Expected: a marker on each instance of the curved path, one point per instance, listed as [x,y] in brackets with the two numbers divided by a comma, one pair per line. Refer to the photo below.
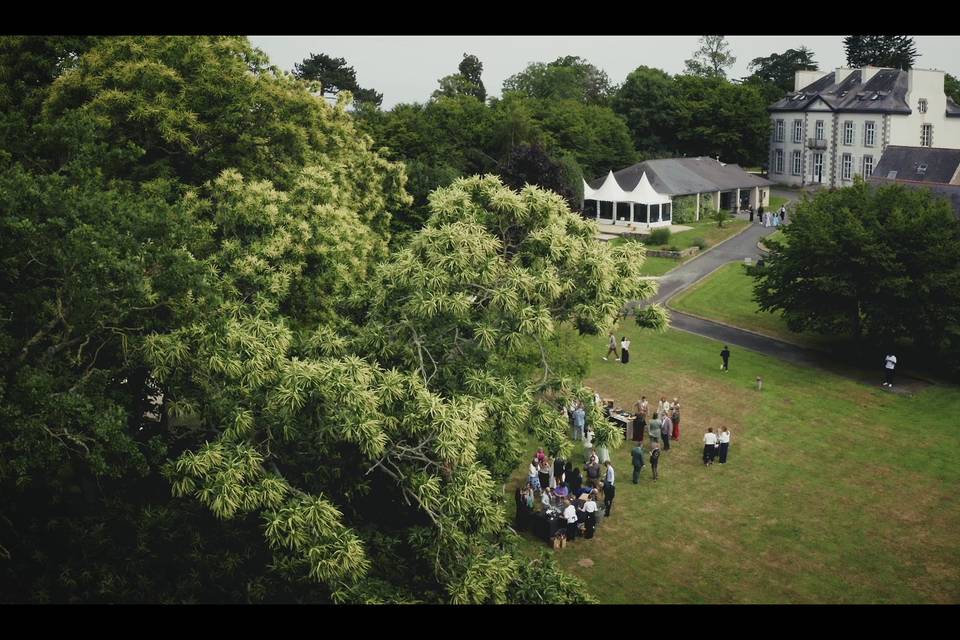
[744,245]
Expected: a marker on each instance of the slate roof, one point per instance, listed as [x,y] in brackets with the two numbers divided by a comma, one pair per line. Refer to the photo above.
[682,176]
[941,164]
[885,92]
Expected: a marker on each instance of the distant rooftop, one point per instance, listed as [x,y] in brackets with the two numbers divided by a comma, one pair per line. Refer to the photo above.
[683,176]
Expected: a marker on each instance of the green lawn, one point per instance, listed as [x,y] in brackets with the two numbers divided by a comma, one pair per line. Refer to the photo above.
[708,230]
[834,492]
[726,295]
[776,202]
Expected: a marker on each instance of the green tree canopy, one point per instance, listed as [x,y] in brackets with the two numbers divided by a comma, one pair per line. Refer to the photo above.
[211,364]
[566,78]
[648,101]
[467,82]
[779,69]
[876,263]
[898,52]
[335,76]
[718,118]
[711,58]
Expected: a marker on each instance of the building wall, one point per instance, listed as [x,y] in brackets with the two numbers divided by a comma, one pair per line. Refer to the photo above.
[906,129]
[896,129]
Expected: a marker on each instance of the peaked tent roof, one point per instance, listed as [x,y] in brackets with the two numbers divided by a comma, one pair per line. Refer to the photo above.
[681,176]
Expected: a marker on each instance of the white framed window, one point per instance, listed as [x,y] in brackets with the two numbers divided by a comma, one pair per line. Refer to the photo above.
[926,135]
[778,131]
[922,105]
[869,133]
[798,130]
[778,161]
[819,129]
[848,133]
[847,166]
[797,163]
[867,166]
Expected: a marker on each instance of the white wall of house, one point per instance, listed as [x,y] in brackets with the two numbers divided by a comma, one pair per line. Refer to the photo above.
[906,129]
[859,149]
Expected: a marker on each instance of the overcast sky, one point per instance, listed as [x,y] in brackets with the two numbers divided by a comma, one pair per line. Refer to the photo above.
[406,68]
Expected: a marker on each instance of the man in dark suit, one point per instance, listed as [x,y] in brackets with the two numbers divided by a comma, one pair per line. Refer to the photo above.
[637,454]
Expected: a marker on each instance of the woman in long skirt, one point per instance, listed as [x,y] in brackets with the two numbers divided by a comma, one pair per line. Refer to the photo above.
[624,350]
[676,419]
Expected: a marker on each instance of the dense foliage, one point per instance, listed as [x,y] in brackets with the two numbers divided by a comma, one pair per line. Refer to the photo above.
[877,264]
[779,69]
[898,52]
[711,58]
[335,76]
[218,383]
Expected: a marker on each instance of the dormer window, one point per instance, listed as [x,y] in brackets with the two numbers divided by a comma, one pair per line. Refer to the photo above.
[843,93]
[922,105]
[921,169]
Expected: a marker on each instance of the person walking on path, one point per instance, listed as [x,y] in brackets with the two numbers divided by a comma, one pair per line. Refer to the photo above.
[709,446]
[624,350]
[675,418]
[637,455]
[724,444]
[609,490]
[760,214]
[655,459]
[783,213]
[890,363]
[654,429]
[643,408]
[725,354]
[666,430]
[751,214]
[612,346]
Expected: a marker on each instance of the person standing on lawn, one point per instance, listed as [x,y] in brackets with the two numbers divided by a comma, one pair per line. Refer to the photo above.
[579,420]
[643,409]
[654,429]
[783,213]
[637,454]
[725,355]
[612,346]
[570,515]
[609,490]
[675,418]
[655,459]
[666,429]
[890,363]
[543,473]
[624,350]
[590,509]
[724,444]
[709,446]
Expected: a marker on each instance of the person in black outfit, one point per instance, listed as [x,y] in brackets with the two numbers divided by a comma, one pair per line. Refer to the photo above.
[751,214]
[655,460]
[558,466]
[574,480]
[609,490]
[725,354]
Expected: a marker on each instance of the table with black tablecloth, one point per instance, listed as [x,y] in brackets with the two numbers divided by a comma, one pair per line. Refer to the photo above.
[545,527]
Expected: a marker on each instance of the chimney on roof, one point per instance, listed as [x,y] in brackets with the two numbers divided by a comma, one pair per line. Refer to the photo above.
[841,74]
[868,72]
[803,79]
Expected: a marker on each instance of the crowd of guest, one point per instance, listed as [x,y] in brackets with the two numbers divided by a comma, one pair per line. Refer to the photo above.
[558,488]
